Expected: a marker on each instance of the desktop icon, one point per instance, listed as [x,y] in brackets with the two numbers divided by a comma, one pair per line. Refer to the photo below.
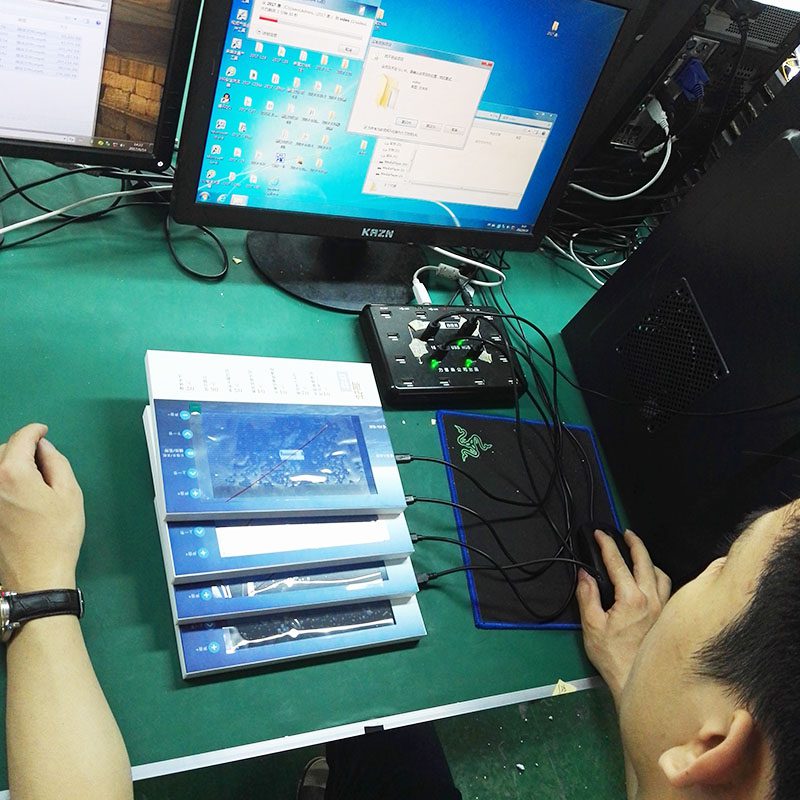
[285,135]
[270,105]
[241,15]
[345,63]
[225,100]
[281,52]
[204,196]
[338,90]
[216,150]
[259,155]
[221,124]
[253,75]
[317,86]
[236,44]
[323,59]
[276,79]
[259,47]
[303,55]
[290,108]
[304,136]
[362,10]
[319,163]
[211,174]
[248,102]
[299,161]
[232,176]
[223,198]
[380,13]
[237,152]
[230,72]
[280,158]
[326,139]
[253,178]
[364,145]
[331,116]
[242,127]
[312,112]
[296,83]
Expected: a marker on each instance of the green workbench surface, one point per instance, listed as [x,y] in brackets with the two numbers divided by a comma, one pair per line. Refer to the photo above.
[78,309]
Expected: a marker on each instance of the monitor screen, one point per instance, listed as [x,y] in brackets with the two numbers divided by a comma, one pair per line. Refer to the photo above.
[97,81]
[455,115]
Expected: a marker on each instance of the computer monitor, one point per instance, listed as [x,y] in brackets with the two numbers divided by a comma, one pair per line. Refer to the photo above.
[403,121]
[97,82]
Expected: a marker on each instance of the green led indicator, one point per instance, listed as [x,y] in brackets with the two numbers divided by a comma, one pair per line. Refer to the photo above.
[468,363]
[435,363]
[459,343]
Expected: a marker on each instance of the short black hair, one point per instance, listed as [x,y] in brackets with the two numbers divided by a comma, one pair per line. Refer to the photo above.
[757,657]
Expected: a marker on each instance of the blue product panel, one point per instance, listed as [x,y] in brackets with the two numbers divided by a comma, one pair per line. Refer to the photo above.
[252,641]
[196,553]
[226,460]
[294,589]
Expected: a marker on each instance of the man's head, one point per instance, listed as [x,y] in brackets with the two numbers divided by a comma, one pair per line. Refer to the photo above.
[711,707]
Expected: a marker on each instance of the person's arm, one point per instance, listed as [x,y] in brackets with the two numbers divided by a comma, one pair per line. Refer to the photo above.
[63,741]
[612,638]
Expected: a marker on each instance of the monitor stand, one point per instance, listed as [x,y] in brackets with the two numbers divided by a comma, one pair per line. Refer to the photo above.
[338,274]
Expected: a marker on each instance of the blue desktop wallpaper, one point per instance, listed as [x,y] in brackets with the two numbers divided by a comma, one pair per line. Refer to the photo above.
[285,147]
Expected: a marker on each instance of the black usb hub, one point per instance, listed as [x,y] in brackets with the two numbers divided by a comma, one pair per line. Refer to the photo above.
[441,356]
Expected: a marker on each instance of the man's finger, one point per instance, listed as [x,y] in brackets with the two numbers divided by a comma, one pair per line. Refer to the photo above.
[618,572]
[54,466]
[589,605]
[20,450]
[664,586]
[643,569]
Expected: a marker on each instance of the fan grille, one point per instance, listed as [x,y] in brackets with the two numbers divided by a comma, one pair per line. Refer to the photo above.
[670,357]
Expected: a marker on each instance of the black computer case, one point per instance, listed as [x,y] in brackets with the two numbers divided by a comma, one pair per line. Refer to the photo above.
[703,320]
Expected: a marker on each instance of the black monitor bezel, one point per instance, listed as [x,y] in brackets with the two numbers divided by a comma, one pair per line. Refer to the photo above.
[199,108]
[160,159]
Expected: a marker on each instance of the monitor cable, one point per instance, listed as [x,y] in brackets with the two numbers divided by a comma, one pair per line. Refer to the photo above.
[659,116]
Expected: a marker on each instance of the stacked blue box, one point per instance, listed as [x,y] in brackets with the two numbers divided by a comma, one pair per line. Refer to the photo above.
[293,590]
[255,641]
[280,522]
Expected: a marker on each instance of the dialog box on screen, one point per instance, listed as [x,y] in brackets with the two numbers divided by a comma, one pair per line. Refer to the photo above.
[340,27]
[420,95]
[494,169]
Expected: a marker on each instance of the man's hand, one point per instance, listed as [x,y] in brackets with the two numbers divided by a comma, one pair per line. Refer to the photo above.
[612,638]
[41,514]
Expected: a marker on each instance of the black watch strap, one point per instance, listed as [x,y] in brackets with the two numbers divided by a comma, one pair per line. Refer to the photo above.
[50,603]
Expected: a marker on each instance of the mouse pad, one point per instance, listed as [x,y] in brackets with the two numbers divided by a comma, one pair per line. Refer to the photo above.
[487,448]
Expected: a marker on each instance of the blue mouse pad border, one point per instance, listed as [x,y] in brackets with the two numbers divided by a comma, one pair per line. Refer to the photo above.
[486,447]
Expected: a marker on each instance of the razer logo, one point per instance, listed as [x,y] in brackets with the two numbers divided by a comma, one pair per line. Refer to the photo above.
[471,446]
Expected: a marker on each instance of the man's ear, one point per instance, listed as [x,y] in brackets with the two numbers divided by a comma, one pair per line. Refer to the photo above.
[713,756]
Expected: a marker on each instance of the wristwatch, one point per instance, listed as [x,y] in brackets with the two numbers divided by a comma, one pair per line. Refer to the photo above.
[17,609]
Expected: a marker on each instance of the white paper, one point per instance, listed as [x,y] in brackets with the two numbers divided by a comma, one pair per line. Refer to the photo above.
[237,541]
[204,377]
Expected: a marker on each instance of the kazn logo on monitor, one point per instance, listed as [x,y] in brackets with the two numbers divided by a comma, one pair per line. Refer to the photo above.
[377,233]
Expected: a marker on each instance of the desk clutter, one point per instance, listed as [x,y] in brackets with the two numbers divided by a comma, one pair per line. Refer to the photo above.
[279,508]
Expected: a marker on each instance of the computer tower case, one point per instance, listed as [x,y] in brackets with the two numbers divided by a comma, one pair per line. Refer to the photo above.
[697,335]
